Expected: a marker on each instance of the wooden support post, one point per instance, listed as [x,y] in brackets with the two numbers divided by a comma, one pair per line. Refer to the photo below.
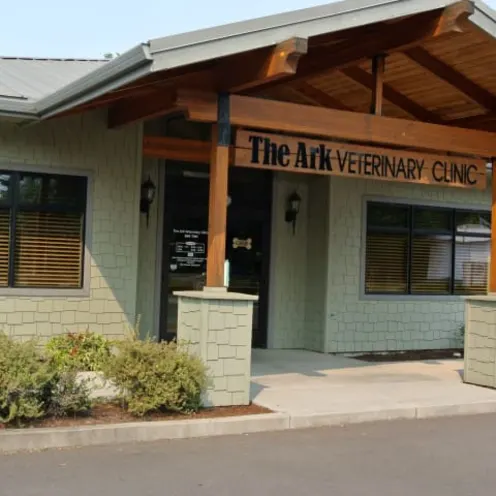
[378,67]
[492,265]
[217,205]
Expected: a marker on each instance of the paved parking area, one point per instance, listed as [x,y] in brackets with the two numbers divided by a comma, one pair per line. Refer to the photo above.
[437,457]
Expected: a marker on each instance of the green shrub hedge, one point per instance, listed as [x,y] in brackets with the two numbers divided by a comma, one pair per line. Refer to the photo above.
[150,376]
[32,387]
[25,381]
[85,351]
[156,377]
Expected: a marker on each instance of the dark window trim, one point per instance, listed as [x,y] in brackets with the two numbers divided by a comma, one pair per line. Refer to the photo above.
[14,206]
[412,232]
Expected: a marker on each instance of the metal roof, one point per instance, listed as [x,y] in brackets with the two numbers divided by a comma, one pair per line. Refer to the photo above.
[33,79]
[208,44]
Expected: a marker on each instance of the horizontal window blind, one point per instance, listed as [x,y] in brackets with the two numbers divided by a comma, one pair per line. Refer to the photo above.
[431,264]
[471,265]
[49,249]
[422,250]
[42,226]
[4,247]
[386,269]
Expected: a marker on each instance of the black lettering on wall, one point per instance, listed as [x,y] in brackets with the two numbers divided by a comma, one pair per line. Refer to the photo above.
[283,155]
[313,156]
[255,148]
[389,168]
[400,168]
[301,156]
[325,158]
[435,174]
[351,162]
[420,167]
[411,167]
[458,173]
[342,160]
[376,163]
[367,164]
[471,169]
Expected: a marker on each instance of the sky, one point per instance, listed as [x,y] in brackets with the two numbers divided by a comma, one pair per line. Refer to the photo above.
[91,28]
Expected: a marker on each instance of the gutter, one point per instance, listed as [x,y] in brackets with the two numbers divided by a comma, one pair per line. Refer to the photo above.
[125,69]
[208,44]
[484,17]
[18,110]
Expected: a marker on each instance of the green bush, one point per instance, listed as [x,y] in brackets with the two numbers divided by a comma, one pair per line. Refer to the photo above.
[68,396]
[85,351]
[25,381]
[32,387]
[156,377]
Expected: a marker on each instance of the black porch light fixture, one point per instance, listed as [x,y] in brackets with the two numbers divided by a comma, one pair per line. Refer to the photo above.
[148,190]
[293,208]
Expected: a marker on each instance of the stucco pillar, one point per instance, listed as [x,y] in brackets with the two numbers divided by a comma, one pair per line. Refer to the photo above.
[480,340]
[218,327]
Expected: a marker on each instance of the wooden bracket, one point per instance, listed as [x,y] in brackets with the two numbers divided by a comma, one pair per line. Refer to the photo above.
[455,18]
[267,65]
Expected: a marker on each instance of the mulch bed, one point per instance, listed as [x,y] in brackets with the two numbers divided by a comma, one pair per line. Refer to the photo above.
[113,413]
[406,356]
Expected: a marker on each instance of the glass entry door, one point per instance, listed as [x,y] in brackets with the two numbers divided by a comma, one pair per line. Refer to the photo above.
[186,239]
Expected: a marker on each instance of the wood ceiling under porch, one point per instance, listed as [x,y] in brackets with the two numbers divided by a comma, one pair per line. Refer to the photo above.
[438,68]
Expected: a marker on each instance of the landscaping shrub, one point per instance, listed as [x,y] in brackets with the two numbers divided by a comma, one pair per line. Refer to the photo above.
[68,396]
[32,387]
[25,381]
[156,377]
[85,351]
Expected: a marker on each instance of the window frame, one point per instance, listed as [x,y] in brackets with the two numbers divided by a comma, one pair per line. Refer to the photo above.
[431,204]
[83,291]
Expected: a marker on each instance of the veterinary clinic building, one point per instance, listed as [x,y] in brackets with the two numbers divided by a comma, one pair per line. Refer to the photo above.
[335,162]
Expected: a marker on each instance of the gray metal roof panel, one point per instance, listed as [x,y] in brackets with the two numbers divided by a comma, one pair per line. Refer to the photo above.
[33,79]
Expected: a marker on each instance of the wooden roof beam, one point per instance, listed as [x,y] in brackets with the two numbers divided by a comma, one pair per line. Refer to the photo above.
[319,97]
[285,117]
[396,98]
[400,36]
[137,109]
[456,79]
[156,98]
[378,69]
[483,121]
[266,66]
[177,149]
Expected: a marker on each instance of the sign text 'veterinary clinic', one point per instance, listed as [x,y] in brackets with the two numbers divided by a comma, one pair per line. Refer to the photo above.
[277,152]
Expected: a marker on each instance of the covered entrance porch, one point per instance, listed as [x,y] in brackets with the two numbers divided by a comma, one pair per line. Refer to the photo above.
[376,123]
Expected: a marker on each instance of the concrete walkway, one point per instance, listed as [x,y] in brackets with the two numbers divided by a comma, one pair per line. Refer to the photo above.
[305,383]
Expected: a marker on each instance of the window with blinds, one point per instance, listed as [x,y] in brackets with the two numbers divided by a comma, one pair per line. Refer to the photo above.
[425,250]
[42,226]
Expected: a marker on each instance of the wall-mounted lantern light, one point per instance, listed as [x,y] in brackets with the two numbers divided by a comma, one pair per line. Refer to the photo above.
[148,190]
[293,208]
